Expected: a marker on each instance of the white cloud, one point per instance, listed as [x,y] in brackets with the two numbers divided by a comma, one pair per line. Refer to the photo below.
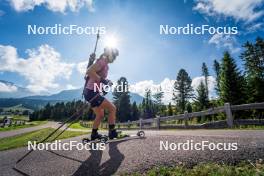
[81,67]
[53,5]
[42,67]
[244,10]
[225,41]
[254,28]
[211,84]
[7,88]
[167,87]
[70,87]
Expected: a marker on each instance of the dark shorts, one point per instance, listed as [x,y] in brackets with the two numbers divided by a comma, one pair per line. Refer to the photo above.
[89,96]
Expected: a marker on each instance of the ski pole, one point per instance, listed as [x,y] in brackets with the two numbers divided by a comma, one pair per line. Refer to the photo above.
[91,59]
[97,38]
[69,119]
[72,117]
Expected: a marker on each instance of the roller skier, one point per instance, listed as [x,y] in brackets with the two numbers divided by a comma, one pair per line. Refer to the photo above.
[96,76]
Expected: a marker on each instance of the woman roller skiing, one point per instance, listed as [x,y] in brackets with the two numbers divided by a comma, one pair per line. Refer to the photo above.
[97,74]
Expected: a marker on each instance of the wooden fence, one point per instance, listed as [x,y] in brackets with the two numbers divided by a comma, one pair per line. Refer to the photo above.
[227,109]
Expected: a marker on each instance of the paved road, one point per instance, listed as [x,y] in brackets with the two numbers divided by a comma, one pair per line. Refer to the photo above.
[137,155]
[26,130]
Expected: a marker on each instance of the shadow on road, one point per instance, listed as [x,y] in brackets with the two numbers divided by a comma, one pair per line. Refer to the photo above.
[91,166]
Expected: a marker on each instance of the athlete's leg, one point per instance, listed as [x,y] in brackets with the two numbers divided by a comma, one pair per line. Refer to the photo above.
[111,119]
[111,109]
[99,112]
[99,115]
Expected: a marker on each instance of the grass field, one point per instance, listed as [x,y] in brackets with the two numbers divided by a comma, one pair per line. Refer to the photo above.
[19,107]
[22,139]
[77,125]
[209,169]
[250,127]
[20,117]
[15,117]
[27,125]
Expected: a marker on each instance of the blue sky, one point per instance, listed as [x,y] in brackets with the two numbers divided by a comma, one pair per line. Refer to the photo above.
[146,57]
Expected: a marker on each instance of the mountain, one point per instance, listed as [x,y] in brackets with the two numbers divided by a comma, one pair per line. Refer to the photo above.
[12,95]
[65,95]
[27,103]
[76,94]
[10,90]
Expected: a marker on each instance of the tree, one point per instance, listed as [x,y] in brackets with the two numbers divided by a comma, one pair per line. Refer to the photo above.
[148,105]
[231,81]
[183,90]
[205,73]
[170,111]
[158,101]
[25,112]
[135,112]
[217,73]
[201,98]
[189,107]
[122,100]
[253,57]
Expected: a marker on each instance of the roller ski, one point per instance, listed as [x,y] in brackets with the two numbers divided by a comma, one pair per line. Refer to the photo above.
[95,138]
[114,136]
[123,137]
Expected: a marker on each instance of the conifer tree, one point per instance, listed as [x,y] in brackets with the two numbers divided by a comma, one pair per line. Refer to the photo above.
[183,90]
[217,73]
[205,73]
[121,99]
[231,81]
[253,58]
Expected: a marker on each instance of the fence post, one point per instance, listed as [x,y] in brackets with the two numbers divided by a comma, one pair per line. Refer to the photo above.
[185,118]
[158,122]
[229,117]
[140,123]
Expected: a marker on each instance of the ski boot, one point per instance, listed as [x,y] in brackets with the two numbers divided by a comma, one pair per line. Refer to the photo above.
[112,134]
[95,136]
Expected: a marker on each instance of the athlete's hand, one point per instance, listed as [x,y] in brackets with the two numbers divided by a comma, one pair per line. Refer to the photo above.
[92,56]
[106,82]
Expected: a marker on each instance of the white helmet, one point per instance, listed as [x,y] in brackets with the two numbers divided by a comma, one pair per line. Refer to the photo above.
[111,53]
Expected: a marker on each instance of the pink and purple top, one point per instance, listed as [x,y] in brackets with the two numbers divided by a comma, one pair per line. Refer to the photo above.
[103,71]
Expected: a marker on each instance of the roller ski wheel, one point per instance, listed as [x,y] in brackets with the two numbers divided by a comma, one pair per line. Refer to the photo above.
[103,139]
[85,140]
[141,134]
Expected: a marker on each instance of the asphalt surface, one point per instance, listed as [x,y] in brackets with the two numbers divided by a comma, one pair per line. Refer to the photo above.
[137,155]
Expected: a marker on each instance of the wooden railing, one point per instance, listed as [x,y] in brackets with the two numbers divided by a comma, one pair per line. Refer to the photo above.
[227,109]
